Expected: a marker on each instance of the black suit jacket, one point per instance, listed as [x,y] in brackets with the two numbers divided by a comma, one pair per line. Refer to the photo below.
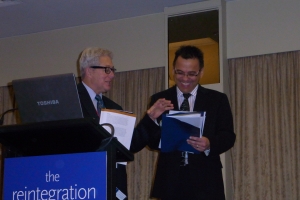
[89,111]
[205,170]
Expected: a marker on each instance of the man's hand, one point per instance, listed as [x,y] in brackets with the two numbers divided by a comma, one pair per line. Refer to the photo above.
[159,107]
[200,144]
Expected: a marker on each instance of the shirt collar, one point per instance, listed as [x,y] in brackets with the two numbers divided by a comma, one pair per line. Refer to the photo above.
[193,93]
[90,91]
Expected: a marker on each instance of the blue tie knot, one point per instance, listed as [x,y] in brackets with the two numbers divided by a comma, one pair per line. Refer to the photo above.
[100,103]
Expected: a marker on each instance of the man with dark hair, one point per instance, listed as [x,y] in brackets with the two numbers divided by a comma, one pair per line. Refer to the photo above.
[201,177]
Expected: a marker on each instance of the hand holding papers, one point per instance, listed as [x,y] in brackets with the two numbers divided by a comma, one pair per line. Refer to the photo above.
[123,123]
[177,127]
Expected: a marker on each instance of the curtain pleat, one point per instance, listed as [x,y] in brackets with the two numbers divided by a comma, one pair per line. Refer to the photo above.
[264,93]
[7,102]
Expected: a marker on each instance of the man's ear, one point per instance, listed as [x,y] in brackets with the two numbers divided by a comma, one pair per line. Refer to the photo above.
[88,71]
[201,72]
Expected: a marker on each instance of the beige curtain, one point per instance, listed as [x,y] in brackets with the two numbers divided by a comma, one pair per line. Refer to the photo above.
[7,102]
[132,91]
[265,93]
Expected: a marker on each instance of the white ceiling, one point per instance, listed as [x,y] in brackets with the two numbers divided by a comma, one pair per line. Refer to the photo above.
[22,17]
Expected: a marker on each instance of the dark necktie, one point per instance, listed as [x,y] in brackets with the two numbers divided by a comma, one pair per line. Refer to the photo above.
[100,103]
[185,106]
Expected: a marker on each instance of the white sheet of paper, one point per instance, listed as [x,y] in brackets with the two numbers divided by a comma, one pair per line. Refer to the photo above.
[192,119]
[123,123]
[195,119]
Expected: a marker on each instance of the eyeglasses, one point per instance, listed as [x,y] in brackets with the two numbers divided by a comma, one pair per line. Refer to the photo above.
[191,74]
[106,69]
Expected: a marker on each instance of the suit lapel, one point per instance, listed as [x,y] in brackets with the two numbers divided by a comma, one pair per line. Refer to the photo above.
[200,99]
[86,103]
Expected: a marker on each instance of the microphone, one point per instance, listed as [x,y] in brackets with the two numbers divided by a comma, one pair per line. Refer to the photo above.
[2,116]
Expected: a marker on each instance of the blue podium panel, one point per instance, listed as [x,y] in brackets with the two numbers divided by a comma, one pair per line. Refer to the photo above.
[56,177]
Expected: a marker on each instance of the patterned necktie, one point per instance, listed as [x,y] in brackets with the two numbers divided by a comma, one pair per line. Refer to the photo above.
[185,106]
[100,103]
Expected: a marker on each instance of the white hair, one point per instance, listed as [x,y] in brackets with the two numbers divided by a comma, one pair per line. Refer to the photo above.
[90,57]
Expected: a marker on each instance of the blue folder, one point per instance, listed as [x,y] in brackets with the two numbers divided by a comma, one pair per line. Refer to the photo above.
[174,134]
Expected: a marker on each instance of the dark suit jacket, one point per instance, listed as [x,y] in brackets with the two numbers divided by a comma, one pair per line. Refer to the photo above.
[89,111]
[205,171]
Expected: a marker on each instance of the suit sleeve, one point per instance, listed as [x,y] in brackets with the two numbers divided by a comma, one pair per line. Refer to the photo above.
[147,132]
[220,133]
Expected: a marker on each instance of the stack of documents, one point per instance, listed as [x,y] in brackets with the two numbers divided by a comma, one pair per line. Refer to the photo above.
[177,127]
[123,123]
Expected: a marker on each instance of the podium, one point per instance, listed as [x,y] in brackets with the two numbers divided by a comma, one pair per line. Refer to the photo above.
[64,137]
